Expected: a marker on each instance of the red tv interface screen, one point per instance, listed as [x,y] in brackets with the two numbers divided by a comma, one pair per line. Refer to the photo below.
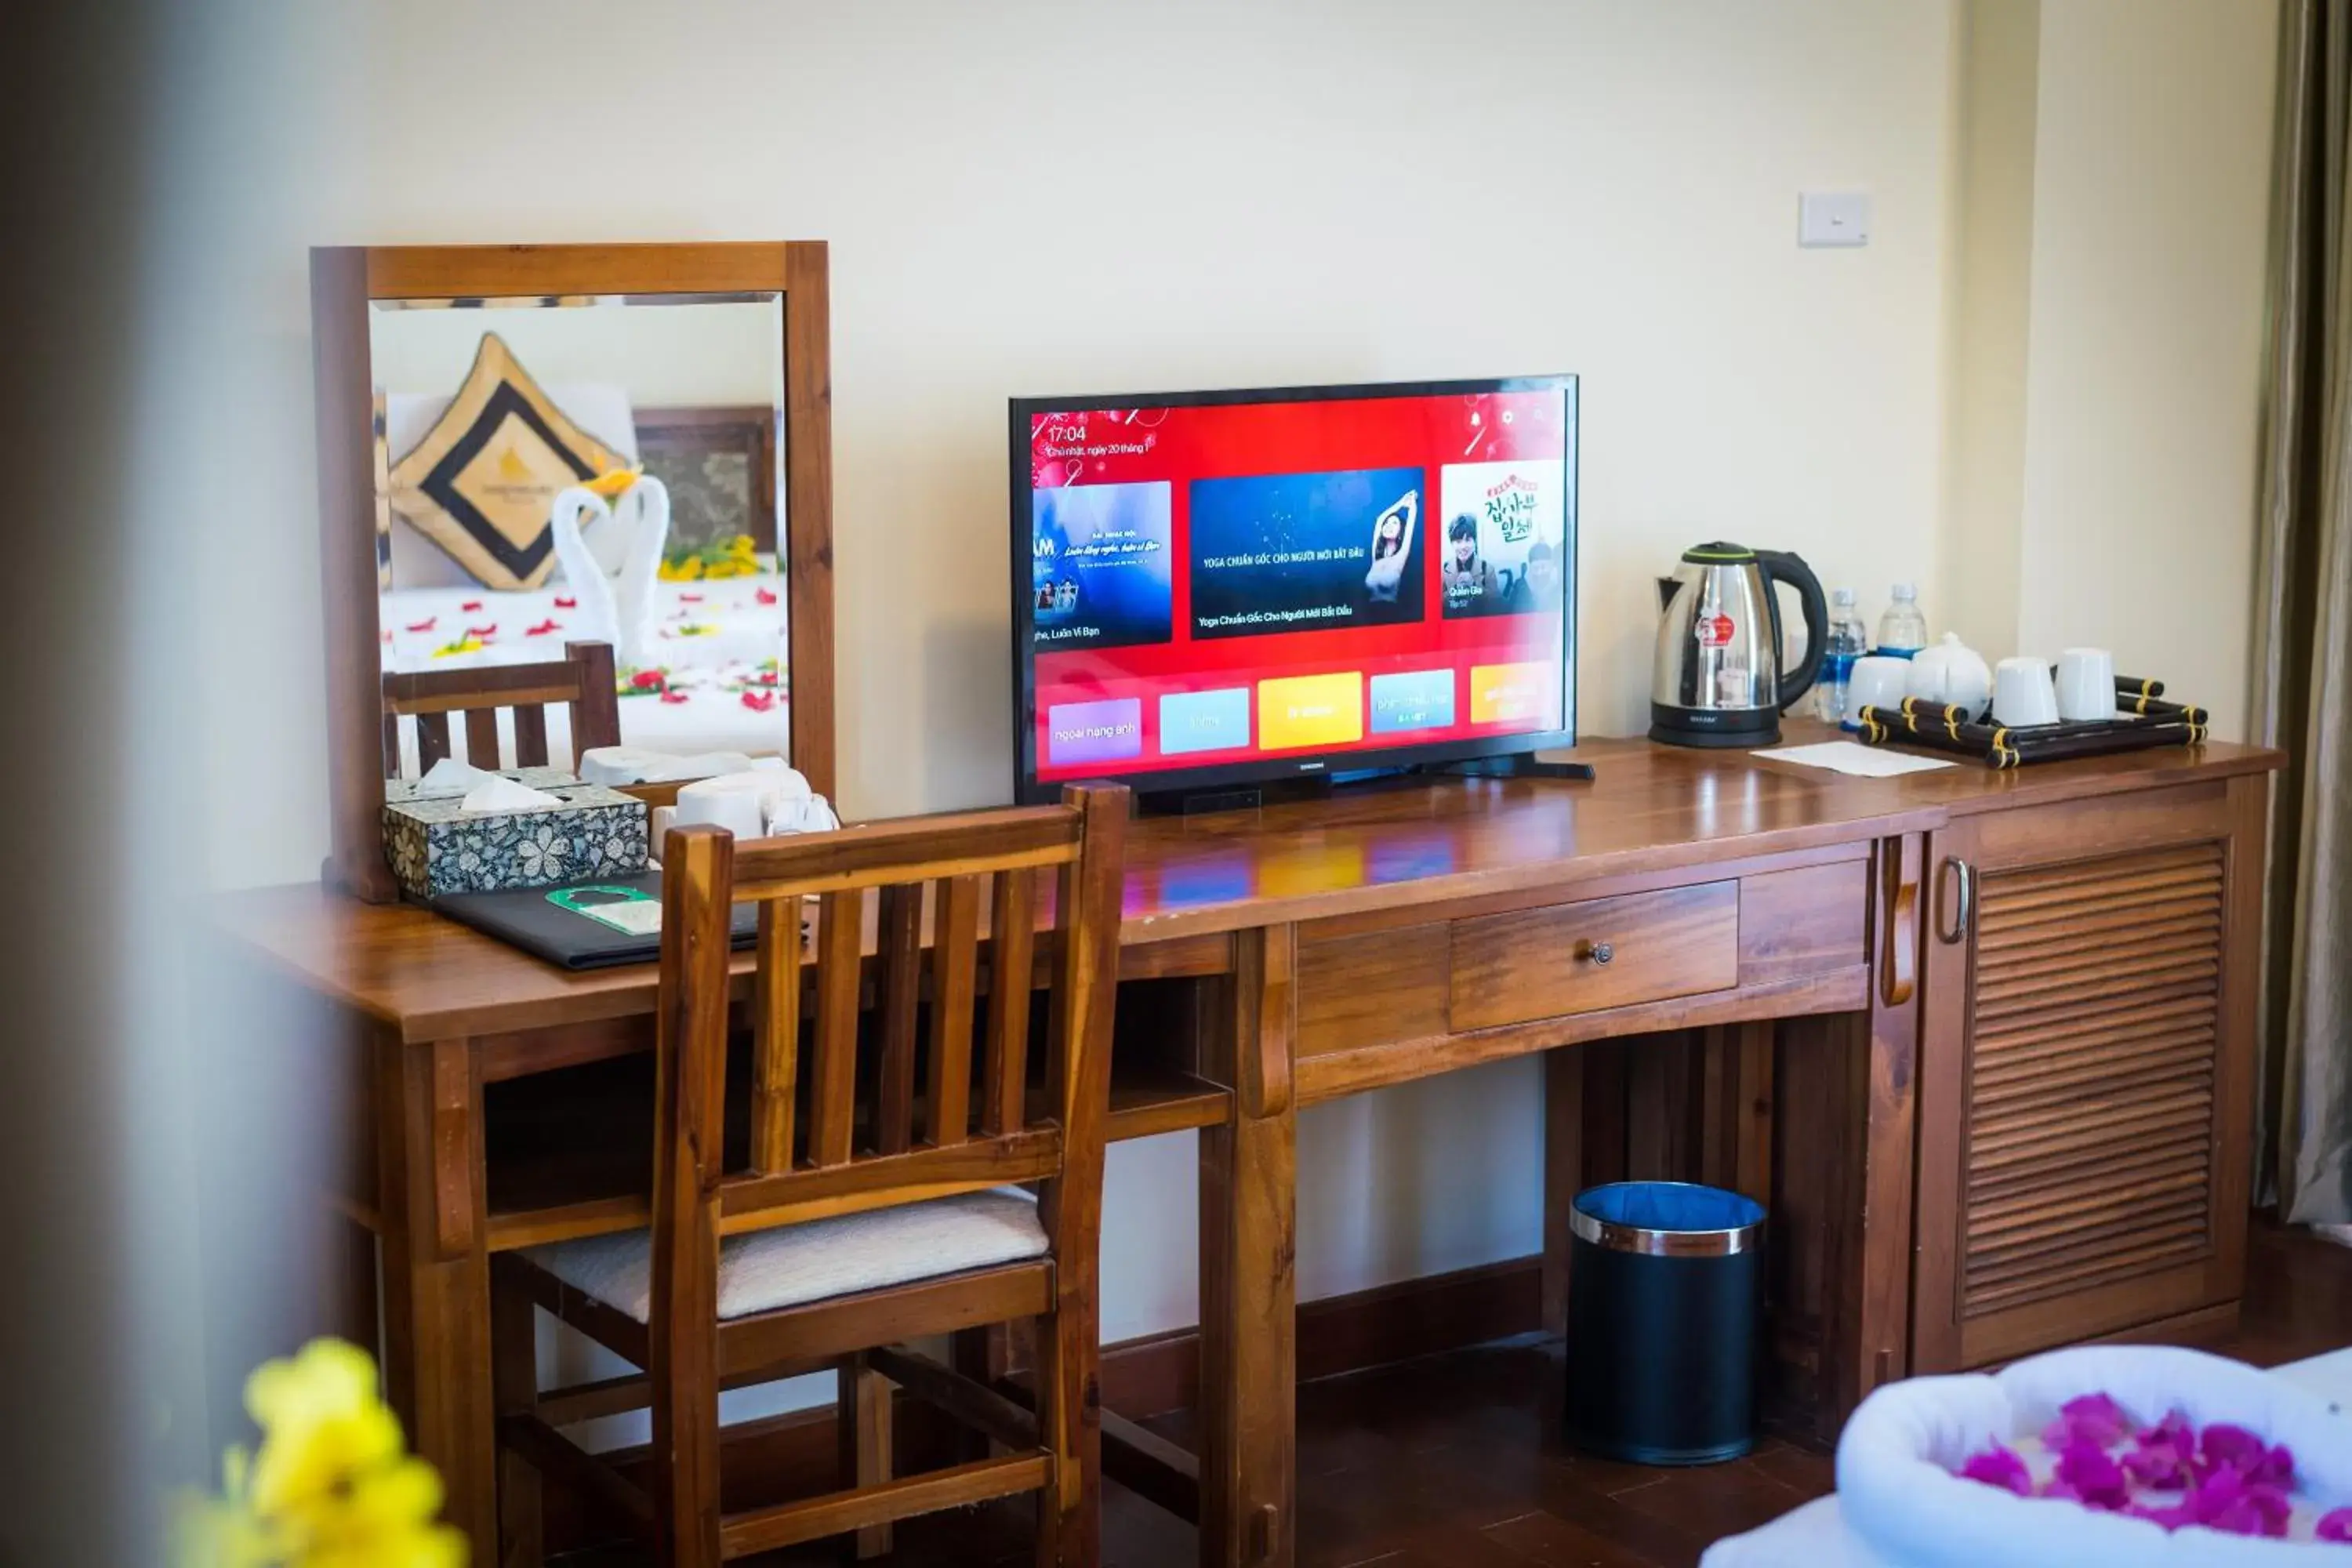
[1230,586]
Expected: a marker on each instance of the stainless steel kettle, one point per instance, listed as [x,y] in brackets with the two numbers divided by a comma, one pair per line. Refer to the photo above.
[1716,678]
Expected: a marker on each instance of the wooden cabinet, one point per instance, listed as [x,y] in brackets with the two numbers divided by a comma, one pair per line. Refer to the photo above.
[2085,1070]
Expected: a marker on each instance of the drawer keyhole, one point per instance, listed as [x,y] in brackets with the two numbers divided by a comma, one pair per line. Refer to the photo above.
[1600,952]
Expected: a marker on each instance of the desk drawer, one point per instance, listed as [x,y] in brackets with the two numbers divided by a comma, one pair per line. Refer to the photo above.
[1535,963]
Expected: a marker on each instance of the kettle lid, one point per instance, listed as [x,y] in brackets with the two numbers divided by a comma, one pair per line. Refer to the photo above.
[1718,554]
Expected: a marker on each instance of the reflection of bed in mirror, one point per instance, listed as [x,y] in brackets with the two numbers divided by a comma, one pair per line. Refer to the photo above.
[466,586]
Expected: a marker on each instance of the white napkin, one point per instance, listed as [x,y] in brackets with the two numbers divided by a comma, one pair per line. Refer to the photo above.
[496,794]
[1853,757]
[643,764]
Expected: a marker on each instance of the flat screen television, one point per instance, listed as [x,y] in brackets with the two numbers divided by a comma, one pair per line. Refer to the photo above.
[1218,588]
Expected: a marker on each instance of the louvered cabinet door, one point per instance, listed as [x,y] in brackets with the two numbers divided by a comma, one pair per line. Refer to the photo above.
[2085,1063]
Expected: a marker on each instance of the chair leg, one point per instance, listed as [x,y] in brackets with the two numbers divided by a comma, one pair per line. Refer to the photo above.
[866,1443]
[514,1375]
[1069,1424]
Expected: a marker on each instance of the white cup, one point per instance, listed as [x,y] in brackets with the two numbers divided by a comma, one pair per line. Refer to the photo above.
[2086,684]
[1877,681]
[2023,693]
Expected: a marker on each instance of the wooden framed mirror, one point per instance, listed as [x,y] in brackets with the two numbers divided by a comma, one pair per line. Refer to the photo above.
[522,447]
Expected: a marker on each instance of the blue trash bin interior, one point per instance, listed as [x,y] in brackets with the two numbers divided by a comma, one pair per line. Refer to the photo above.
[1671,1207]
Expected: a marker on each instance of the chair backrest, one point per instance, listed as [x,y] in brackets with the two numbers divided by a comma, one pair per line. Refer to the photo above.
[583,679]
[826,1139]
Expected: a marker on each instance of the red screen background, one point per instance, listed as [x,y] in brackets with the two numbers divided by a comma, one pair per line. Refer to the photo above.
[1232,441]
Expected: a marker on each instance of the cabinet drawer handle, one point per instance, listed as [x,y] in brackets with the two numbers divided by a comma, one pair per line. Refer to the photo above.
[1600,952]
[1964,904]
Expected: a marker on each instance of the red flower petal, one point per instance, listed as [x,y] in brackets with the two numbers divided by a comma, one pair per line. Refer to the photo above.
[758,702]
[2336,1525]
[690,598]
[470,606]
[672,696]
[426,625]
[647,680]
[539,630]
[564,604]
[764,595]
[482,631]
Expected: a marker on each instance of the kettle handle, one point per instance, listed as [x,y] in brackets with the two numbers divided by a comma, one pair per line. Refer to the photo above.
[1780,566]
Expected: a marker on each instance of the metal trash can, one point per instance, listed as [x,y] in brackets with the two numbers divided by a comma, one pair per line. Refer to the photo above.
[1664,1287]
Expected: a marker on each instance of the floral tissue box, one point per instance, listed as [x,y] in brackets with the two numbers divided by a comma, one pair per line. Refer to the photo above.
[436,846]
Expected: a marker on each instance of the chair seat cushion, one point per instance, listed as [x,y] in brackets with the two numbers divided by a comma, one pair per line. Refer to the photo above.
[793,1265]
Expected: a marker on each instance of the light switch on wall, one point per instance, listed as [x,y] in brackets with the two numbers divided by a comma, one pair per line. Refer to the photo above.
[1832,218]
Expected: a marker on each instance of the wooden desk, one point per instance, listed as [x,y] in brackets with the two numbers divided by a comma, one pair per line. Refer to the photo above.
[1777,916]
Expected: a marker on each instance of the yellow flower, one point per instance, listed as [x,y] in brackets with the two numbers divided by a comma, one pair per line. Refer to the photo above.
[322,1422]
[330,1487]
[383,1519]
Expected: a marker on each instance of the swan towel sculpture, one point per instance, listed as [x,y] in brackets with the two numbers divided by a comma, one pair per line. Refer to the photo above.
[617,604]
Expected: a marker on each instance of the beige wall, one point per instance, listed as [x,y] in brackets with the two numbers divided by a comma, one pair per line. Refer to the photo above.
[2151,195]
[1989,308]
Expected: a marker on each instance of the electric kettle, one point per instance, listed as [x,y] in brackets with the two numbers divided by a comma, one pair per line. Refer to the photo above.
[1717,679]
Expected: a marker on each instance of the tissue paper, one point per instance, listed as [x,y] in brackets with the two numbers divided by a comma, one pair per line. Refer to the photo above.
[496,794]
[450,776]
[449,780]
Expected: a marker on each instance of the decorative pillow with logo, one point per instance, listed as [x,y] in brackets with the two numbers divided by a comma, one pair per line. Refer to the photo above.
[481,482]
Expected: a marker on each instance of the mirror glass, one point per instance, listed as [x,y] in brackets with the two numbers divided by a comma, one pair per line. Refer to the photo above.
[589,469]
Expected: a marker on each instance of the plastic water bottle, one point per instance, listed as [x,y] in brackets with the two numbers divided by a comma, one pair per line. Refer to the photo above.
[1902,630]
[1848,640]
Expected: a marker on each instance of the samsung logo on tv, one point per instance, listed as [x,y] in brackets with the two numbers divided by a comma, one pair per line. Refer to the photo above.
[1312,767]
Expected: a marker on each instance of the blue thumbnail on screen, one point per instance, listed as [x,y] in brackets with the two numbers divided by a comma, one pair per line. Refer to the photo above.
[1299,552]
[1099,565]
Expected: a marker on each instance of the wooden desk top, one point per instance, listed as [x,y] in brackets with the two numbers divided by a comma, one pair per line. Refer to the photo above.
[1192,881]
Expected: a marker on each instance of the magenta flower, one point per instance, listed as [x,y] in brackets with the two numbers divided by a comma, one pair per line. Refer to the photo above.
[2336,1525]
[2227,1501]
[2173,1431]
[2224,1444]
[2088,1473]
[2094,1418]
[2159,1466]
[1999,1466]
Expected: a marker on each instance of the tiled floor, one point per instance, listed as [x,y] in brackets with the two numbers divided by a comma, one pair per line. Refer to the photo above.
[1451,1462]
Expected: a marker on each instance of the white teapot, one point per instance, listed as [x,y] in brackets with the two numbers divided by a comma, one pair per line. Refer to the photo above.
[1951,673]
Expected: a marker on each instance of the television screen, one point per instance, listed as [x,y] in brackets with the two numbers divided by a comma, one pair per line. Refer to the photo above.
[1216,587]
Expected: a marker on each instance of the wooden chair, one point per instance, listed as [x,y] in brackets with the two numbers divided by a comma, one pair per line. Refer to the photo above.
[583,679]
[875,1208]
